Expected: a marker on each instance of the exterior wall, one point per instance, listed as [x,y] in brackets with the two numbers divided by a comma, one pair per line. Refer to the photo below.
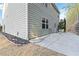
[36,12]
[15,19]
[72,18]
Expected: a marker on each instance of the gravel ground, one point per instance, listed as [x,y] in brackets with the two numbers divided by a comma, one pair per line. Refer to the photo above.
[9,48]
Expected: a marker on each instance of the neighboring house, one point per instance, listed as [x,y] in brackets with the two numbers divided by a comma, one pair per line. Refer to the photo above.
[42,19]
[72,18]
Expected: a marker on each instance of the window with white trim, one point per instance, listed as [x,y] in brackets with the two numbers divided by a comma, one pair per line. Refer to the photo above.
[44,23]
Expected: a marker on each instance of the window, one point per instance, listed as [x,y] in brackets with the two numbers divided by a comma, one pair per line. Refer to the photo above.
[44,23]
[43,20]
[43,26]
[46,20]
[46,26]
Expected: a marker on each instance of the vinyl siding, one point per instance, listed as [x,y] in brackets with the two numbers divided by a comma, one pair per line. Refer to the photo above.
[35,14]
[15,19]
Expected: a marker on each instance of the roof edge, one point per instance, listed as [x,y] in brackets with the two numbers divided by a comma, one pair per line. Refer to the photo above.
[53,4]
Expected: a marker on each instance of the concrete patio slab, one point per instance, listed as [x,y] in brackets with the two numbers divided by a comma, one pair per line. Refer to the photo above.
[65,43]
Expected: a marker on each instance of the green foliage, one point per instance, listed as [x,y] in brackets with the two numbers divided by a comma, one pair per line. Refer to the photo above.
[62,25]
[0,28]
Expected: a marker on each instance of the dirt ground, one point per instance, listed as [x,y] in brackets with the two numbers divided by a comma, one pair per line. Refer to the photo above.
[8,48]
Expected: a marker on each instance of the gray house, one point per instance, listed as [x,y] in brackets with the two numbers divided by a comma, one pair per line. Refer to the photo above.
[30,20]
[42,19]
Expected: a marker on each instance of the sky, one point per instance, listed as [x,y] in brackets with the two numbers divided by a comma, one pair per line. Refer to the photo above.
[62,7]
[1,7]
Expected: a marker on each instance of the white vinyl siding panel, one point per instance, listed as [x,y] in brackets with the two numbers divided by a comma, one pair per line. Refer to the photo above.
[15,19]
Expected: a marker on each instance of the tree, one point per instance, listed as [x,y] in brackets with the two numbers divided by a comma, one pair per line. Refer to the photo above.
[0,28]
[62,25]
